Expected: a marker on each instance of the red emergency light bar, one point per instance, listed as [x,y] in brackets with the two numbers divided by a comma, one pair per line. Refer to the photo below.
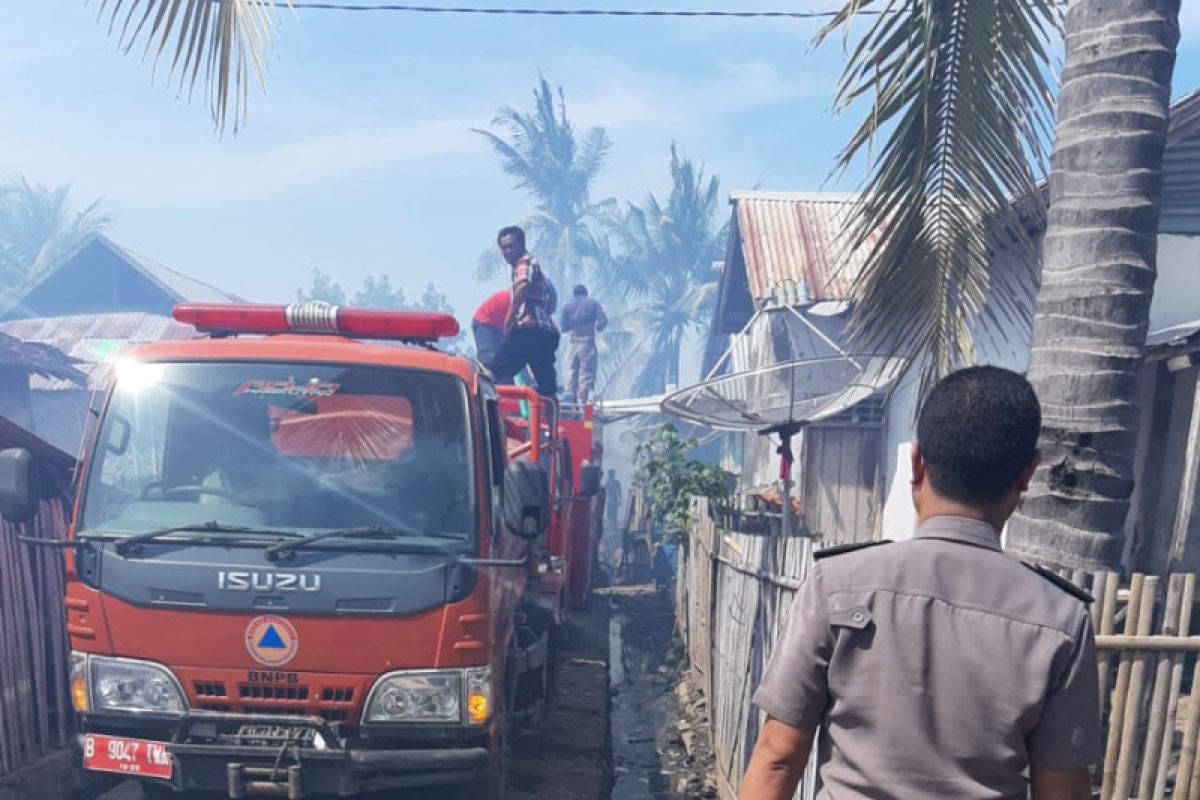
[232,318]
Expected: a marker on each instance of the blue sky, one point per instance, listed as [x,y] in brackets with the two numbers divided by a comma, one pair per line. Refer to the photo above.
[359,158]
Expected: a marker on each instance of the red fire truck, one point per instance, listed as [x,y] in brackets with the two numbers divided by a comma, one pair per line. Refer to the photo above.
[311,553]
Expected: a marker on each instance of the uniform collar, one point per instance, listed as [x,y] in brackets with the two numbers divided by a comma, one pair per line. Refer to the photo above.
[962,530]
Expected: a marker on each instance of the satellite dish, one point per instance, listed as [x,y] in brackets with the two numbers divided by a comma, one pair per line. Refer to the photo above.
[788,373]
[794,393]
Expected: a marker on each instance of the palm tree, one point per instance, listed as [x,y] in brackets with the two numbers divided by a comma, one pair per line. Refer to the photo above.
[541,151]
[962,88]
[38,226]
[664,269]
[227,41]
[1098,272]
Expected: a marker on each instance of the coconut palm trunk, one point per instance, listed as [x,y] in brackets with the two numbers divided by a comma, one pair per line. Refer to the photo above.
[1098,276]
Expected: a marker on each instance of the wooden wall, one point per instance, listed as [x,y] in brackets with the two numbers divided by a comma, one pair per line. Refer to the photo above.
[34,715]
[733,594]
[1164,533]
[840,494]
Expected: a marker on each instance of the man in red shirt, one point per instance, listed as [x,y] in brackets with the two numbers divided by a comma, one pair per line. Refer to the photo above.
[488,327]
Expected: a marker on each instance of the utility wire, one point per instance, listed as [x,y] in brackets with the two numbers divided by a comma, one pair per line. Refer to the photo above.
[550,12]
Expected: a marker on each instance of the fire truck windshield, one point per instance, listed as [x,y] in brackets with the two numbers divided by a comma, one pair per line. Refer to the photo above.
[299,447]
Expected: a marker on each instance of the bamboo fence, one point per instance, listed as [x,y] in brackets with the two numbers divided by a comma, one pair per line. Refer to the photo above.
[34,716]
[733,590]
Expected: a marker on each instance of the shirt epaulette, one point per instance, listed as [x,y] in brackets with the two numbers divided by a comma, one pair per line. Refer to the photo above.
[1062,583]
[839,549]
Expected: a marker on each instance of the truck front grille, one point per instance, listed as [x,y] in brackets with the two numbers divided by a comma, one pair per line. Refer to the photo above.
[253,691]
[309,696]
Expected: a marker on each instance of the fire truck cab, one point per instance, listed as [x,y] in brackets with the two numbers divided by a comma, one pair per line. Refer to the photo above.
[299,557]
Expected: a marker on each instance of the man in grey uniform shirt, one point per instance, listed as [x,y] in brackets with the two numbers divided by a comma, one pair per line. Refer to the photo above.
[939,667]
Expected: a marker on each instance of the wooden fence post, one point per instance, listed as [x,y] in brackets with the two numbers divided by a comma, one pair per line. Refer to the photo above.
[1116,718]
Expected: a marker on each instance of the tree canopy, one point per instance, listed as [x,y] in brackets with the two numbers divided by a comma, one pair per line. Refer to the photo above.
[38,225]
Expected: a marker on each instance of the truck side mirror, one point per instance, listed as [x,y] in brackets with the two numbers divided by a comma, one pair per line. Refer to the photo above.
[18,485]
[589,480]
[526,499]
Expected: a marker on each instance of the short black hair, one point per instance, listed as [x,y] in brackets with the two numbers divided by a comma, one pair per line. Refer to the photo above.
[580,290]
[511,230]
[977,432]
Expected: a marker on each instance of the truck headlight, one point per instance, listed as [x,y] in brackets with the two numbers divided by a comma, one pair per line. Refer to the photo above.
[422,696]
[132,687]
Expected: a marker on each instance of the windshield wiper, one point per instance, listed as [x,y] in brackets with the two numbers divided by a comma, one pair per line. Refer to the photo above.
[279,549]
[126,543]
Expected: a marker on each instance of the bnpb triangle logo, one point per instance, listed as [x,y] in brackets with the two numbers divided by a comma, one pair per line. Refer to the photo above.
[271,640]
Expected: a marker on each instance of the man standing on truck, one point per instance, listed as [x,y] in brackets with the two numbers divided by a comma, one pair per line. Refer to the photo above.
[531,337]
[939,666]
[582,318]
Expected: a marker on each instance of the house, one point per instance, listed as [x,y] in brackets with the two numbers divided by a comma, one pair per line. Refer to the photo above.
[96,303]
[783,254]
[783,299]
[100,277]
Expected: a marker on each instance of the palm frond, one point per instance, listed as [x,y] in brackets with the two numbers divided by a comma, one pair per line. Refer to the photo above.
[623,342]
[962,91]
[490,265]
[227,40]
[38,226]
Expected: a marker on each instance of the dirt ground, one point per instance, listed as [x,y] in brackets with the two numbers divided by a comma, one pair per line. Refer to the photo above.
[659,744]
[567,756]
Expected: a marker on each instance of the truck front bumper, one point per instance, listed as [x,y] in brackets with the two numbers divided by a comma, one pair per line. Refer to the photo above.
[334,766]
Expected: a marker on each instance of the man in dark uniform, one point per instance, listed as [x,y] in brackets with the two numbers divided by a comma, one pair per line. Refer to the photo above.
[939,667]
[582,317]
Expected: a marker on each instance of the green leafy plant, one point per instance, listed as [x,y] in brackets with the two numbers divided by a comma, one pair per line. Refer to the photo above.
[671,479]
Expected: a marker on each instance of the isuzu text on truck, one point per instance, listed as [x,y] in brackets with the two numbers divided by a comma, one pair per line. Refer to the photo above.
[299,560]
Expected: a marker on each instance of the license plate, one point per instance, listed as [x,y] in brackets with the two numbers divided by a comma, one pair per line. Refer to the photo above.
[127,756]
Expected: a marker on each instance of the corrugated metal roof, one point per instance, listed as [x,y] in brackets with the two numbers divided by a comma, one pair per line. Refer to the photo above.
[1181,169]
[792,248]
[1176,334]
[37,358]
[94,340]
